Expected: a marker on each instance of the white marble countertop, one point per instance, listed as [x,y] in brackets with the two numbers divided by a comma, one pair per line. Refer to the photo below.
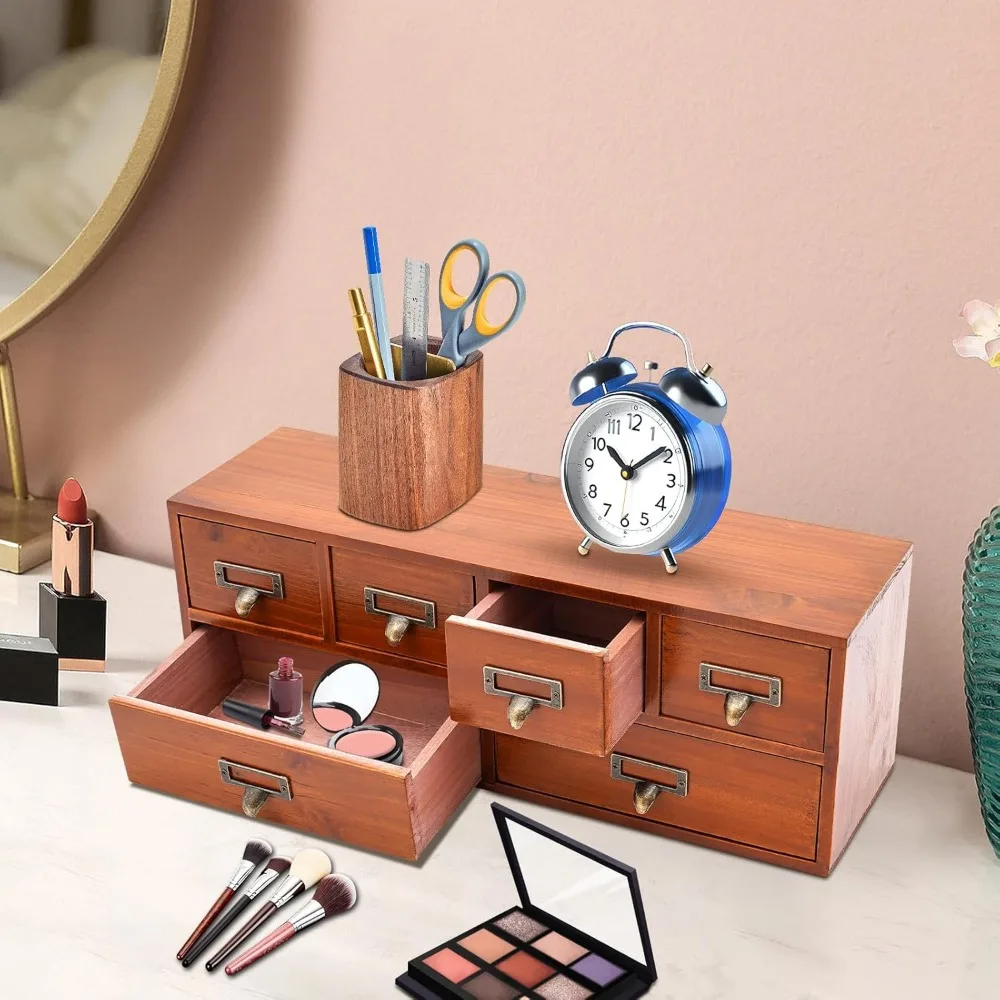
[101,882]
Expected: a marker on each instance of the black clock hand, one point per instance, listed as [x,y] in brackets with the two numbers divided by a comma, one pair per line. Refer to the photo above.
[614,454]
[648,458]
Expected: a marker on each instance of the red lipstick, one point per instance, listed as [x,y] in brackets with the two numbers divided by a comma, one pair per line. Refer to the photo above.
[72,543]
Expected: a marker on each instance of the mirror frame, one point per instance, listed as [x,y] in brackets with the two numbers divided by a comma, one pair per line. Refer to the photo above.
[80,257]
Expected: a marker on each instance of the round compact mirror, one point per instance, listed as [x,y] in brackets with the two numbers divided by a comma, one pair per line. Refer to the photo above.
[345,696]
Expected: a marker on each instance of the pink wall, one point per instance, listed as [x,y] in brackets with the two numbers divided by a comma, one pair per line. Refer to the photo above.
[809,190]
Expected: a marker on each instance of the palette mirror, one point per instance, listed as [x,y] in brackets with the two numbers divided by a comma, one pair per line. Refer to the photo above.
[345,696]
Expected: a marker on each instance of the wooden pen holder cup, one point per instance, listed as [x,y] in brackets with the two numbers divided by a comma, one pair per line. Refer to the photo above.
[410,452]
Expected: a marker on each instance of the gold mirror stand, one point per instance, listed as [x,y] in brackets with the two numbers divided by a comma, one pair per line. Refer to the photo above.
[25,521]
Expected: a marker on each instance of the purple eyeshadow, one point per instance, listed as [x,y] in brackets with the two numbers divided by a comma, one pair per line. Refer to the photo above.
[598,970]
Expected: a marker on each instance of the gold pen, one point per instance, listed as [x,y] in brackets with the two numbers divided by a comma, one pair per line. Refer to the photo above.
[366,334]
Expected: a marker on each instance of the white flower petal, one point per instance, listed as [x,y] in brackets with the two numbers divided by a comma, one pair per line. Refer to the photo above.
[971,346]
[982,317]
[992,348]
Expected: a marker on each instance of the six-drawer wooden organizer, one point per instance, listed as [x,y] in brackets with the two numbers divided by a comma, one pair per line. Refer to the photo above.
[749,703]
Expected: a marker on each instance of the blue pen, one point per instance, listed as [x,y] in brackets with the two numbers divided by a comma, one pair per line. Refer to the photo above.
[378,300]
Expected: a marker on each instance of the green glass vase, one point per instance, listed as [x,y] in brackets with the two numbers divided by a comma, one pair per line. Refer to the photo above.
[981,639]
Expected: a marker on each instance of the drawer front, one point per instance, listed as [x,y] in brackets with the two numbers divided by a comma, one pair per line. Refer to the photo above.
[672,780]
[757,685]
[545,688]
[396,606]
[223,563]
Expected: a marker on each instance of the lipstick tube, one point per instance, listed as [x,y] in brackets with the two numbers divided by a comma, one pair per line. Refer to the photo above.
[71,614]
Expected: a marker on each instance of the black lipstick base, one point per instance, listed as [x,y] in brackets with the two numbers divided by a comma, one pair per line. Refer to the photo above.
[29,670]
[76,626]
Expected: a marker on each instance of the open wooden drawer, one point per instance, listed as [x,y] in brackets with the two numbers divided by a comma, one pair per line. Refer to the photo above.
[555,669]
[174,738]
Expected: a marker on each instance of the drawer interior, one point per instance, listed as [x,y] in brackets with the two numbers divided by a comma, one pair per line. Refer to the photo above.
[235,665]
[570,619]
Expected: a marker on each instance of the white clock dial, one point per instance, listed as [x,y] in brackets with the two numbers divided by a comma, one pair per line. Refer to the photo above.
[626,473]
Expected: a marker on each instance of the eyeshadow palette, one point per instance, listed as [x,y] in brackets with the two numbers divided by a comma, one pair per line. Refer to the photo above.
[579,934]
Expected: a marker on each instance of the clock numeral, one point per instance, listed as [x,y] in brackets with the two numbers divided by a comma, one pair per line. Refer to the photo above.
[668,455]
[637,418]
[624,520]
[662,503]
[671,480]
[599,444]
[607,509]
[652,433]
[589,463]
[592,492]
[645,519]
[614,425]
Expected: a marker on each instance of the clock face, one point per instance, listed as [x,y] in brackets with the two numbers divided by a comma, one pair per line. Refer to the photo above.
[626,474]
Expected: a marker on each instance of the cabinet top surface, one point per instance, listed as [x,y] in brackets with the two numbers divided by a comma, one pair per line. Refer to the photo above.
[796,577]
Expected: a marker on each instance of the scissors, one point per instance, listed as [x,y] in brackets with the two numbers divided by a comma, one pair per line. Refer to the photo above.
[460,340]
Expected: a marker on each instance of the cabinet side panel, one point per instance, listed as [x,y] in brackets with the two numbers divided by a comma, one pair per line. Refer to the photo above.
[869,717]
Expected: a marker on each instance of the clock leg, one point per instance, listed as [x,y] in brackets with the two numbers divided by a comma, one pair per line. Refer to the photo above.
[584,547]
[669,562]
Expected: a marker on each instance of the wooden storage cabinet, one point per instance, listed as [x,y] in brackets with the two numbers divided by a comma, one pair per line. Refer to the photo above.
[748,703]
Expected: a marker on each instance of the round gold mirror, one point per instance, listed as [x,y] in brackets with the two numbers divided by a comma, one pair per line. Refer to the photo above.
[88,89]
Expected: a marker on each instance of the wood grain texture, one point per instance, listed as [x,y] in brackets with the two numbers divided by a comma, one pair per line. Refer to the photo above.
[452,594]
[411,452]
[803,670]
[762,574]
[172,741]
[869,714]
[595,652]
[736,795]
[204,542]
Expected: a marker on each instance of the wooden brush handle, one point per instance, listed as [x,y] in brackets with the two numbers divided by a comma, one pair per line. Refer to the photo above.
[264,947]
[215,931]
[217,907]
[240,936]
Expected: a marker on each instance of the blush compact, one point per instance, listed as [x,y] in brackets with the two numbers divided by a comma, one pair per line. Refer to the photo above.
[579,932]
[342,700]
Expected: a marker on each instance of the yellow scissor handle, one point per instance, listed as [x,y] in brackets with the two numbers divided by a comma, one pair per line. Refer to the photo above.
[451,298]
[480,321]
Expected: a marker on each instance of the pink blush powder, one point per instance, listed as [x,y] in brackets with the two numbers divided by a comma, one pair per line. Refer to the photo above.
[332,719]
[367,743]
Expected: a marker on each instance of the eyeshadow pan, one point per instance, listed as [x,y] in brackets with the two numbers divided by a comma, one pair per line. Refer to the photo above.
[487,987]
[563,988]
[560,948]
[521,926]
[597,970]
[451,965]
[525,969]
[486,945]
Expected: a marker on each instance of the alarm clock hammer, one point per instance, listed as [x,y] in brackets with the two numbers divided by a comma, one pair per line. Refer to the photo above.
[681,492]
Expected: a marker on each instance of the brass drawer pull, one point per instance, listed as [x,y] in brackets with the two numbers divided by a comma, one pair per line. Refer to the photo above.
[645,792]
[522,705]
[398,624]
[738,702]
[247,597]
[255,796]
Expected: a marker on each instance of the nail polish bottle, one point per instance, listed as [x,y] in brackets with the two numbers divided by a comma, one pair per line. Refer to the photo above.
[286,692]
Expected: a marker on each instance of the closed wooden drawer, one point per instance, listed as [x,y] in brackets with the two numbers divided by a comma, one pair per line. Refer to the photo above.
[222,563]
[395,605]
[174,738]
[724,791]
[757,685]
[554,669]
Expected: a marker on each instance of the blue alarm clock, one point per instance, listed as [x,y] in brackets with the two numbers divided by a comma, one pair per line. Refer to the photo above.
[646,467]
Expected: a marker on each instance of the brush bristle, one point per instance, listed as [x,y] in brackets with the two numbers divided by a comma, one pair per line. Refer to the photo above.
[335,893]
[257,851]
[279,864]
[311,865]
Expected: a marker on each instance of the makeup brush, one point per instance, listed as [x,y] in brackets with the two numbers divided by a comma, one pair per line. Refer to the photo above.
[275,867]
[333,895]
[307,868]
[255,852]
